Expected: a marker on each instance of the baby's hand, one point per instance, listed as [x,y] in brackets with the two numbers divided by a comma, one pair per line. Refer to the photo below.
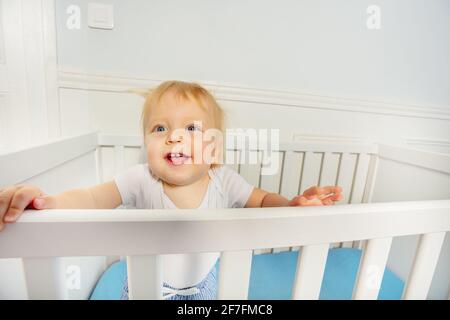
[318,196]
[15,199]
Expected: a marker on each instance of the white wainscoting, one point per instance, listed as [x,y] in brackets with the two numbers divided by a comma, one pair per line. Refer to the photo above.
[76,79]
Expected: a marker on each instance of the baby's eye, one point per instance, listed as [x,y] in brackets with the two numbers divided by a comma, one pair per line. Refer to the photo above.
[159,129]
[193,127]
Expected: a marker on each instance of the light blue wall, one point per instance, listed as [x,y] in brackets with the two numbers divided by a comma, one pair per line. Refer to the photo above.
[317,46]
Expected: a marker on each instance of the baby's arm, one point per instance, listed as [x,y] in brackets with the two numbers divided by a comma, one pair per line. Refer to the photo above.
[261,198]
[101,196]
[314,196]
[15,199]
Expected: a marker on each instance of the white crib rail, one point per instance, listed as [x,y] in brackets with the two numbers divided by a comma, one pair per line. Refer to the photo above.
[235,232]
[353,165]
[15,166]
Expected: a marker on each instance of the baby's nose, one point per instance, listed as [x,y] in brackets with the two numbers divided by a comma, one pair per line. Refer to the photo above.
[175,137]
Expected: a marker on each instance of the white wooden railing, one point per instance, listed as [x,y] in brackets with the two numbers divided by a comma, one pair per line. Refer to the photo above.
[41,236]
[301,164]
[139,234]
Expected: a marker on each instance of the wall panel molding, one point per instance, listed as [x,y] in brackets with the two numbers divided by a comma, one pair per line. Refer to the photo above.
[77,79]
[427,142]
[28,74]
[51,68]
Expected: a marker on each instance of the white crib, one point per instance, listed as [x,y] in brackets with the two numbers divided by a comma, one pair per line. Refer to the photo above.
[39,238]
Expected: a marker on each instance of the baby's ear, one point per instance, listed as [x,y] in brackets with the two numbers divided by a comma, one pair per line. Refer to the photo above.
[141,92]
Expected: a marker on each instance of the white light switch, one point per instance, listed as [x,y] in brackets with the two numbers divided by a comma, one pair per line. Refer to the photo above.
[100,16]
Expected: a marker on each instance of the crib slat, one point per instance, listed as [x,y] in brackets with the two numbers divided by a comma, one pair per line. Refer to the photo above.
[368,189]
[43,278]
[262,251]
[371,175]
[119,158]
[425,261]
[345,180]
[345,174]
[335,245]
[250,170]
[231,159]
[347,244]
[371,269]
[310,171]
[328,175]
[362,166]
[132,156]
[106,158]
[234,275]
[271,183]
[98,165]
[310,268]
[144,277]
[290,179]
[291,174]
[280,249]
[329,169]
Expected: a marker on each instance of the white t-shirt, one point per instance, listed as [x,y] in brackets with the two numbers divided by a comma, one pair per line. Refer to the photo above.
[140,189]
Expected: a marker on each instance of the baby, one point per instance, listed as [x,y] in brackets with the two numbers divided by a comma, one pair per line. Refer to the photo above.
[184,170]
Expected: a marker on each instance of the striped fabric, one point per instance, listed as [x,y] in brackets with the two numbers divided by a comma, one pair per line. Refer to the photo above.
[205,290]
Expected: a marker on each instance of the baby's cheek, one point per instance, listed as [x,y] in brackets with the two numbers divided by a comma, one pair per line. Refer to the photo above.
[151,156]
[153,150]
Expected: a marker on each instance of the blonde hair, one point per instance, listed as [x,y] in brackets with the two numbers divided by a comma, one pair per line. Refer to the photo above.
[185,90]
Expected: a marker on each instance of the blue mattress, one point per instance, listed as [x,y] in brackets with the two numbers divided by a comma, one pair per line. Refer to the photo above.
[272,277]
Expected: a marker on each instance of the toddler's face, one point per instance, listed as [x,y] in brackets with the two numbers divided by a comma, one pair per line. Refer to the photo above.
[174,140]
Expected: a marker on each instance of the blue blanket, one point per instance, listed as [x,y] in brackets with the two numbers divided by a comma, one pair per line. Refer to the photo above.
[272,277]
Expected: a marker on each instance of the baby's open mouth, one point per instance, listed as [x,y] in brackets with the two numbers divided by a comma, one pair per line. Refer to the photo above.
[177,158]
